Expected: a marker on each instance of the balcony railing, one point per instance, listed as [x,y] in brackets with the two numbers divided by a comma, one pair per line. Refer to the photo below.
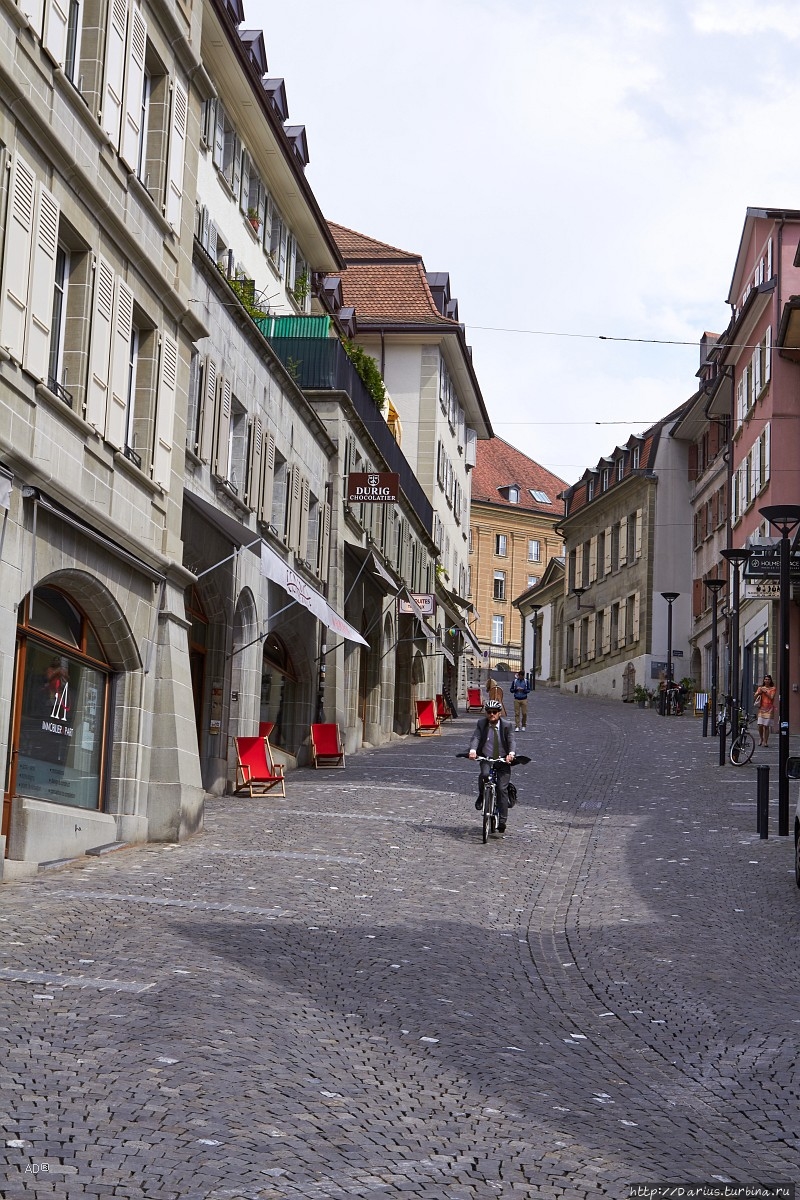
[321,364]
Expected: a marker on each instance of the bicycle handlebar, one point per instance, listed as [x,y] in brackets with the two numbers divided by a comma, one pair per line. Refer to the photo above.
[518,760]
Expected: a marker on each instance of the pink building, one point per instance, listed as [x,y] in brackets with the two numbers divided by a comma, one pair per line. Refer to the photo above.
[758,390]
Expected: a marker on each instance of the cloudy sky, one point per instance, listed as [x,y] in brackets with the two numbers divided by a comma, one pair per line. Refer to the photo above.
[580,170]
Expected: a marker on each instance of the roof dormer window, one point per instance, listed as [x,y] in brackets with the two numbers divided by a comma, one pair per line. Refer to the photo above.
[510,492]
[540,497]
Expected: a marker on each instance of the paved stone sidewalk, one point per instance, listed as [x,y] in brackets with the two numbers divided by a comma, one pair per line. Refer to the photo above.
[344,993]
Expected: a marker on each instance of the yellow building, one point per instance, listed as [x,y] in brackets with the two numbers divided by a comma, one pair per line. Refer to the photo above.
[512,538]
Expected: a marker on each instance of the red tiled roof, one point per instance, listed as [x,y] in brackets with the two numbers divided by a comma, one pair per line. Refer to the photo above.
[385,284]
[501,465]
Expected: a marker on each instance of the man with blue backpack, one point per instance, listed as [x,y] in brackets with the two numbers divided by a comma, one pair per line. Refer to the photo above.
[519,690]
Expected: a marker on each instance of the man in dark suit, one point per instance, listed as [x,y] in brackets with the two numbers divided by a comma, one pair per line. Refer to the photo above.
[494,738]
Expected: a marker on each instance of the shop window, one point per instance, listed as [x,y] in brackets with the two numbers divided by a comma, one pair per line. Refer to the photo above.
[58,738]
[278,689]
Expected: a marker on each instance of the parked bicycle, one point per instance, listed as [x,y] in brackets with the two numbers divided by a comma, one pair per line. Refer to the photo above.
[724,715]
[744,743]
[490,816]
[674,699]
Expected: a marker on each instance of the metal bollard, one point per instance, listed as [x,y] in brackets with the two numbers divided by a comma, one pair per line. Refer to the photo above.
[705,721]
[762,801]
[722,741]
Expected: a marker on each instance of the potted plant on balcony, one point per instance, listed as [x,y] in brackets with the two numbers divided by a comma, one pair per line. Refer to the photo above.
[254,219]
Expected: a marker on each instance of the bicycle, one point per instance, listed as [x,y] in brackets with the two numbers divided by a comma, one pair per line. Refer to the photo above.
[743,744]
[491,813]
[724,715]
[673,700]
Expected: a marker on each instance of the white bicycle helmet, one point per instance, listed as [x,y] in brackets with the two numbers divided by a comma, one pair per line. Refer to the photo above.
[493,706]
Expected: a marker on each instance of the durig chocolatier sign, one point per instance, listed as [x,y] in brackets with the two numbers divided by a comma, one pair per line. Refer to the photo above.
[372,488]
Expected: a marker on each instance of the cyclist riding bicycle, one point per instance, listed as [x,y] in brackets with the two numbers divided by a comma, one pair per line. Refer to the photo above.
[494,738]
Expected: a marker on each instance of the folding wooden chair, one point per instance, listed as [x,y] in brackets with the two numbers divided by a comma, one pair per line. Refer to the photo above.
[427,721]
[265,728]
[474,699]
[326,746]
[442,709]
[256,773]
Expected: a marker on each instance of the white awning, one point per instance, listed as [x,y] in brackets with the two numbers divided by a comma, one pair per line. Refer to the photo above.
[300,590]
[427,631]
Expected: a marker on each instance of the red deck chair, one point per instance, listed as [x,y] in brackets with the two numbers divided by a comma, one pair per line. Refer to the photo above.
[256,773]
[265,728]
[326,746]
[442,709]
[474,700]
[427,721]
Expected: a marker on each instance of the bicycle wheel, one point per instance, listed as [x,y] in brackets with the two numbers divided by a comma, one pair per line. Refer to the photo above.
[488,806]
[742,748]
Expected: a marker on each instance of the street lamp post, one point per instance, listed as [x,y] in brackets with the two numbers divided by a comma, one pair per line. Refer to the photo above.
[535,610]
[735,558]
[785,518]
[714,586]
[670,598]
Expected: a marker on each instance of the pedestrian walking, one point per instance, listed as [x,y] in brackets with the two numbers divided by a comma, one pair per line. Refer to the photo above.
[520,689]
[764,700]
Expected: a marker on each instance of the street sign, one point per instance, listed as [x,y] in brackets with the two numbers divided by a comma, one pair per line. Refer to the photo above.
[764,589]
[379,487]
[765,563]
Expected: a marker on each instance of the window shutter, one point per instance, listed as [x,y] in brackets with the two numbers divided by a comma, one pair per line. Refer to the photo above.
[693,462]
[236,168]
[111,116]
[54,37]
[765,436]
[302,536]
[623,541]
[607,556]
[324,540]
[769,258]
[253,480]
[267,478]
[757,384]
[33,10]
[638,547]
[119,366]
[17,264]
[593,559]
[165,411]
[740,401]
[100,345]
[579,581]
[623,610]
[205,440]
[223,429]
[134,83]
[36,357]
[244,194]
[177,147]
[635,600]
[218,153]
[768,355]
[606,630]
[591,641]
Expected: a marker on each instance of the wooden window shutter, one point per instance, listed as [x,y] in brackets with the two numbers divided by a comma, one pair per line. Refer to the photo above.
[100,345]
[697,597]
[766,436]
[305,497]
[579,580]
[635,600]
[623,541]
[607,563]
[119,365]
[33,11]
[606,630]
[768,355]
[267,478]
[222,431]
[17,259]
[591,642]
[593,559]
[324,540]
[623,608]
[638,547]
[134,84]
[255,441]
[165,412]
[693,462]
[177,149]
[111,116]
[36,356]
[56,23]
[208,400]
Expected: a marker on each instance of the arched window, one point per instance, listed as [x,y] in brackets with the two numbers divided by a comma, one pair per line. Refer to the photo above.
[60,704]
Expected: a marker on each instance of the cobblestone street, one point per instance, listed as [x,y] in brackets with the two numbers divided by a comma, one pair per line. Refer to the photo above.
[345,993]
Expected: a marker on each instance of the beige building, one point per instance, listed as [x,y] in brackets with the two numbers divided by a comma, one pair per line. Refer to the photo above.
[516,506]
[626,531]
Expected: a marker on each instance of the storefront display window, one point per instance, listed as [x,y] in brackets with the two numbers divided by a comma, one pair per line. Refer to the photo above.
[61,706]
